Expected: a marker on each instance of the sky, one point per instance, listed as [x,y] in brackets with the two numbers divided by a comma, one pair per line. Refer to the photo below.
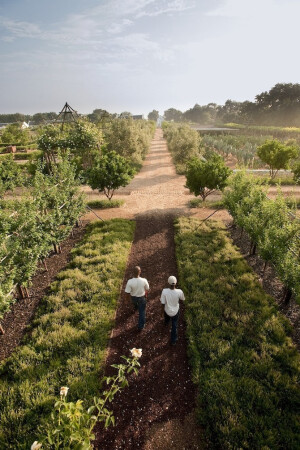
[140,55]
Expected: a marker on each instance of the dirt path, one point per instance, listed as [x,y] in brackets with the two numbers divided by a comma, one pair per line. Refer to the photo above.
[156,411]
[156,189]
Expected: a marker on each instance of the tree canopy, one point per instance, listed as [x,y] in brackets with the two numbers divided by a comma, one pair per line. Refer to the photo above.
[110,172]
[276,155]
[205,176]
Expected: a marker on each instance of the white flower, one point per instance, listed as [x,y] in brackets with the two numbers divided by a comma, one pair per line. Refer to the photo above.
[36,446]
[64,391]
[136,352]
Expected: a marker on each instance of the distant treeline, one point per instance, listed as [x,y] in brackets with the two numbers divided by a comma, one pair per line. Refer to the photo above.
[280,106]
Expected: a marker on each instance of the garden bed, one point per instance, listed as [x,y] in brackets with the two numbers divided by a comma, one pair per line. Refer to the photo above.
[68,338]
[242,356]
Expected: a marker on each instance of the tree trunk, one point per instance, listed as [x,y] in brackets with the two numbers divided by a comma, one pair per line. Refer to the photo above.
[22,294]
[2,329]
[45,265]
[264,269]
[242,231]
[27,292]
[252,248]
[287,294]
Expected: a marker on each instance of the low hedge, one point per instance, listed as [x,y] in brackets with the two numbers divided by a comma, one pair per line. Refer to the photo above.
[67,342]
[105,204]
[243,360]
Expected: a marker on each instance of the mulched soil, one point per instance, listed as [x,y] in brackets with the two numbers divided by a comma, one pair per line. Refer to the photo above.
[271,284]
[17,319]
[156,410]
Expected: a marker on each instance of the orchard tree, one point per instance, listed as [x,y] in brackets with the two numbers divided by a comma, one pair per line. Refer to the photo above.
[296,172]
[13,134]
[153,115]
[205,176]
[276,155]
[110,172]
[10,174]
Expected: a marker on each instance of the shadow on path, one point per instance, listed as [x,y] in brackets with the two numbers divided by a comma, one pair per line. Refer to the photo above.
[163,390]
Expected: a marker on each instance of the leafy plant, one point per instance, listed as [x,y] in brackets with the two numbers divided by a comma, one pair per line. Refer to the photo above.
[110,172]
[71,425]
[204,177]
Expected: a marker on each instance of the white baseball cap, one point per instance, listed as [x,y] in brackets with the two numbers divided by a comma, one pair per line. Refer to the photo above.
[172,280]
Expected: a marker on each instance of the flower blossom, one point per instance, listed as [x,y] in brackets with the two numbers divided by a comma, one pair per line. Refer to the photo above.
[64,391]
[36,446]
[136,352]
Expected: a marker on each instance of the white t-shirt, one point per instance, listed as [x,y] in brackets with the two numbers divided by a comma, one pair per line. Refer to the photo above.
[136,287]
[170,298]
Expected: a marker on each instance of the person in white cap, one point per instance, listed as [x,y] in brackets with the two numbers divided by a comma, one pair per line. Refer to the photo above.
[170,302]
[137,288]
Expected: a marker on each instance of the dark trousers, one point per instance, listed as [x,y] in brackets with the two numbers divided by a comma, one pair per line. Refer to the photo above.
[140,304]
[174,320]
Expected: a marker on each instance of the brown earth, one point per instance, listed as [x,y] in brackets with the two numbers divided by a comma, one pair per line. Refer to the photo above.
[156,411]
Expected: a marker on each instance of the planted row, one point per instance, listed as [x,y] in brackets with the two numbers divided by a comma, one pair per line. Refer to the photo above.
[243,360]
[68,339]
[31,227]
[183,143]
[270,225]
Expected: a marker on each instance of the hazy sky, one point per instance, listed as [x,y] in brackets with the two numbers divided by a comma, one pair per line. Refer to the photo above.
[140,55]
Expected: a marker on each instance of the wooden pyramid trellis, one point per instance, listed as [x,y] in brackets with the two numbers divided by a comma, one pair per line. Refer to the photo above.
[66,115]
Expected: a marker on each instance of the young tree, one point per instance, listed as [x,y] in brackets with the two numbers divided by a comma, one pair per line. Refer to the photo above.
[10,175]
[204,177]
[110,172]
[276,155]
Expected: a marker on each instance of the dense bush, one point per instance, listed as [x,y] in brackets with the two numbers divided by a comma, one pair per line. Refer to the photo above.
[243,362]
[129,138]
[68,338]
[183,143]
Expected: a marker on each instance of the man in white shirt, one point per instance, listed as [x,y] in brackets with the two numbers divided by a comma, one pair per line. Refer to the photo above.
[170,301]
[138,287]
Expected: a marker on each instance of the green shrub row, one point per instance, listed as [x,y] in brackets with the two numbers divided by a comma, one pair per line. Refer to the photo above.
[183,143]
[105,204]
[243,360]
[67,342]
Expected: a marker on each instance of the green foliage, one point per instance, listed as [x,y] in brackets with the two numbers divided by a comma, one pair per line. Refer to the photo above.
[29,228]
[205,176]
[183,143]
[104,204]
[69,335]
[72,425]
[296,172]
[10,174]
[153,115]
[110,172]
[14,133]
[129,138]
[242,357]
[276,155]
[269,225]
